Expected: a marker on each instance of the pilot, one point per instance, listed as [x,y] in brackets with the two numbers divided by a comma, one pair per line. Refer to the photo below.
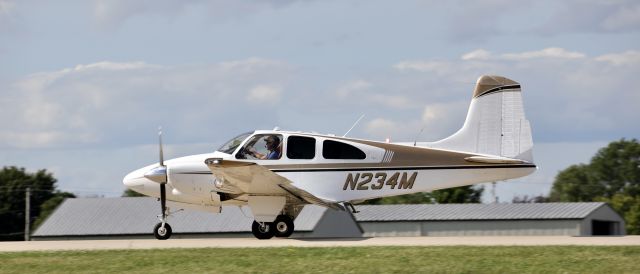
[273,145]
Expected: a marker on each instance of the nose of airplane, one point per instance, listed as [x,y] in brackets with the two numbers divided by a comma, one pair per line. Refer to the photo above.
[136,180]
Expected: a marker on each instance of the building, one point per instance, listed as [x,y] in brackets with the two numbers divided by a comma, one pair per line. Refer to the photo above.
[97,218]
[572,219]
[135,217]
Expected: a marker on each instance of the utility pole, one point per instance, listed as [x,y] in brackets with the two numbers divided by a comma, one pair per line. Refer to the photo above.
[27,214]
[493,192]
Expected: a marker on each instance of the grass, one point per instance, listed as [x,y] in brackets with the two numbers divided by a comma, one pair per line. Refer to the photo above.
[538,259]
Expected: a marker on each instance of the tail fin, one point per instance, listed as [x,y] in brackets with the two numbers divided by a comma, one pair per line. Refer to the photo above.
[495,124]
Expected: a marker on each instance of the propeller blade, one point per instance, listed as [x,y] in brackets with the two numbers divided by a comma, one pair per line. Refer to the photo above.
[163,200]
[158,174]
[160,142]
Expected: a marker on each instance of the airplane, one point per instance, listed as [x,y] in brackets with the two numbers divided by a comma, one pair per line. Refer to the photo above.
[275,173]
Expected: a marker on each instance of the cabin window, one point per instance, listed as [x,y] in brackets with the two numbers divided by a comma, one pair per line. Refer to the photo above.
[299,147]
[337,150]
[262,147]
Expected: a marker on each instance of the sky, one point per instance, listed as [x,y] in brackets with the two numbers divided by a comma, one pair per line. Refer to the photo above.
[84,85]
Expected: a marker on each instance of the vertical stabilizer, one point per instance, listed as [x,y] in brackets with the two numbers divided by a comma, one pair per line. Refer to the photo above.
[495,124]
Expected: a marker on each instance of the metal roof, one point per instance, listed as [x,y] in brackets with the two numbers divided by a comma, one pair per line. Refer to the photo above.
[442,212]
[137,215]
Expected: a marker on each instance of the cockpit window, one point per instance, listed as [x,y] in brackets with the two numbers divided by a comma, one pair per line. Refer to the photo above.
[230,146]
[262,147]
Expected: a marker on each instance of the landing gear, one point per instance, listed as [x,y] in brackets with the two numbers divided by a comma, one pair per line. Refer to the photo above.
[283,226]
[263,231]
[162,233]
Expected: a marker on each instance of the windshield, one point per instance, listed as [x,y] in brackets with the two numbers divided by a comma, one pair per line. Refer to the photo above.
[232,144]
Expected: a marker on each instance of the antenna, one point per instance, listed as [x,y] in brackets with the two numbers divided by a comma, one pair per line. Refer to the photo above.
[354,125]
[415,141]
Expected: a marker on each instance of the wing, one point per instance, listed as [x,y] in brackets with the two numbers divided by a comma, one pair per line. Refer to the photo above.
[253,179]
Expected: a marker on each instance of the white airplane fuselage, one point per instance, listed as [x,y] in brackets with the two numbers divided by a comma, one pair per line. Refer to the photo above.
[190,180]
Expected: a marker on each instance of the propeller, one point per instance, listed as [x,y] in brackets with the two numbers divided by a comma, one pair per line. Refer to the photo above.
[159,175]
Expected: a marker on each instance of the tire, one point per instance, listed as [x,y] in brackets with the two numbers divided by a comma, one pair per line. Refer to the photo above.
[263,233]
[162,234]
[283,226]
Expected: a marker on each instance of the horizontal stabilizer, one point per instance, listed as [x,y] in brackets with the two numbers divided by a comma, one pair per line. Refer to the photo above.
[493,160]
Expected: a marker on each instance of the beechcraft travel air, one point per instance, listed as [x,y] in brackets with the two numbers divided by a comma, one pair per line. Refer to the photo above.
[277,172]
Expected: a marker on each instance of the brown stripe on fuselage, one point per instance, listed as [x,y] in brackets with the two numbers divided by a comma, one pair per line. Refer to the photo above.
[404,156]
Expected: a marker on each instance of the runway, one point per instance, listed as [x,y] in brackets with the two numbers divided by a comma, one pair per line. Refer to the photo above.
[335,242]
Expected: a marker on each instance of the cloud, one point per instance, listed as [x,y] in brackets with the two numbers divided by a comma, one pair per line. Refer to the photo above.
[568,94]
[366,92]
[264,94]
[353,87]
[6,6]
[438,120]
[551,53]
[557,53]
[479,54]
[382,127]
[112,13]
[445,113]
[109,103]
[630,57]
[112,66]
[7,14]
[439,67]
[627,17]
[249,65]
[480,20]
[593,16]
[393,101]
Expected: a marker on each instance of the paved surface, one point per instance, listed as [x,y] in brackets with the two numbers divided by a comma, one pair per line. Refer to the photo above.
[379,241]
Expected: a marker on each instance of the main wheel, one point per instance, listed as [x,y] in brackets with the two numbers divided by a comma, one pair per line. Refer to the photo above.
[283,226]
[264,231]
[162,233]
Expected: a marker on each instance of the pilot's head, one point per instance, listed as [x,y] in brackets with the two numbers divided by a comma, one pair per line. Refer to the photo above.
[272,142]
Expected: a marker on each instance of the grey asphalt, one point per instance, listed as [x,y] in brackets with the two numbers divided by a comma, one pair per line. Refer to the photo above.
[335,242]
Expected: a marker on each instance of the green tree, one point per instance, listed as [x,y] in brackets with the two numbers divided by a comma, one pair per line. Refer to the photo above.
[456,195]
[612,176]
[526,199]
[617,168]
[130,193]
[13,184]
[576,184]
[629,208]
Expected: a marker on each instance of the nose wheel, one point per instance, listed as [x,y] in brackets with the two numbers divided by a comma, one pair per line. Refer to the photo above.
[162,231]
